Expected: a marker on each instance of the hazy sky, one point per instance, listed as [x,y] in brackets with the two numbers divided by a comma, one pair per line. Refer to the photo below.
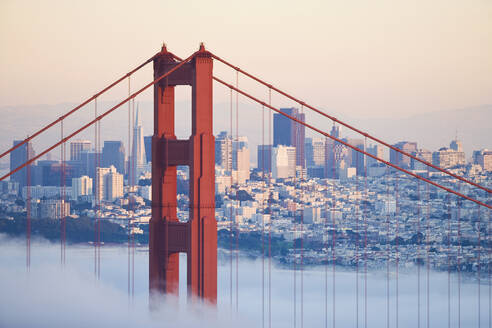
[359,57]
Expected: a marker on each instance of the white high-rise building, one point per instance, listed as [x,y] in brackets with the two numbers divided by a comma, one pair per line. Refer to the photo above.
[283,162]
[114,186]
[240,160]
[138,159]
[109,184]
[81,187]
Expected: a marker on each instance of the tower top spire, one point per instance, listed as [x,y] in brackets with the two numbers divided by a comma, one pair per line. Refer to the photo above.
[138,120]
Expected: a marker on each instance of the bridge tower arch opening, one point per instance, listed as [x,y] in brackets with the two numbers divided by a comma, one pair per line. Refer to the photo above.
[167,235]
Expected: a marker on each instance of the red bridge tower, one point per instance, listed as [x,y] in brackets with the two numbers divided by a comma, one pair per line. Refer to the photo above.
[198,236]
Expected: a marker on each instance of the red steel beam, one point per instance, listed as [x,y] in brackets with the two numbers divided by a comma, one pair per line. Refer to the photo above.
[349,126]
[46,127]
[97,118]
[349,145]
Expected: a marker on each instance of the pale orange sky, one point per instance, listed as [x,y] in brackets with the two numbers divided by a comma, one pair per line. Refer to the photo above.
[363,58]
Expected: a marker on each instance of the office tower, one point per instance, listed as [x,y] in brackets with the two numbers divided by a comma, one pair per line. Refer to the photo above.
[113,182]
[315,152]
[81,187]
[456,145]
[335,154]
[376,150]
[290,133]
[109,184]
[17,158]
[77,147]
[423,154]
[113,153]
[283,162]
[483,158]
[318,148]
[264,158]
[90,160]
[398,158]
[223,151]
[148,148]
[240,160]
[138,159]
[309,152]
[447,158]
[353,157]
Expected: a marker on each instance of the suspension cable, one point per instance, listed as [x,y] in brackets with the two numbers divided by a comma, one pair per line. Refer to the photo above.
[100,117]
[35,134]
[351,146]
[349,126]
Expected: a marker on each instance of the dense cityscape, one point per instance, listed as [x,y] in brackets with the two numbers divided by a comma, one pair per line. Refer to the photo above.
[317,200]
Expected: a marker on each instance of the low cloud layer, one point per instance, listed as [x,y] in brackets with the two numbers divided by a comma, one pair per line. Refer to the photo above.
[52,296]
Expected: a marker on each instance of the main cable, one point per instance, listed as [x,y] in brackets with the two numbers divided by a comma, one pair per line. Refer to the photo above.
[35,134]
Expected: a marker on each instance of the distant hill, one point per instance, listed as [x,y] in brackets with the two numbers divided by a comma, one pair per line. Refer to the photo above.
[431,130]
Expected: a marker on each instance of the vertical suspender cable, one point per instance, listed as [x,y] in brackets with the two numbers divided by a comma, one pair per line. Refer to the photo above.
[237,188]
[489,261]
[388,248]
[28,210]
[62,197]
[99,221]
[132,235]
[263,218]
[295,264]
[270,224]
[325,232]
[449,259]
[396,240]
[333,236]
[419,214]
[365,232]
[458,203]
[298,144]
[99,191]
[357,243]
[427,247]
[478,263]
[133,177]
[128,182]
[229,165]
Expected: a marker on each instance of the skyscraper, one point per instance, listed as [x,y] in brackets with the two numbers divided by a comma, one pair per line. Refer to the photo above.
[77,147]
[148,148]
[240,159]
[290,133]
[113,153]
[19,157]
[355,158]
[223,151]
[109,184]
[376,150]
[138,159]
[398,158]
[264,158]
[81,187]
[283,162]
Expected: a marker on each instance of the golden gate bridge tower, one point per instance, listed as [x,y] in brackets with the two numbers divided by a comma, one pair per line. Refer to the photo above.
[168,236]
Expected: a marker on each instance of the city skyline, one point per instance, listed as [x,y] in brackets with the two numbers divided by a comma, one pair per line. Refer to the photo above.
[323,160]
